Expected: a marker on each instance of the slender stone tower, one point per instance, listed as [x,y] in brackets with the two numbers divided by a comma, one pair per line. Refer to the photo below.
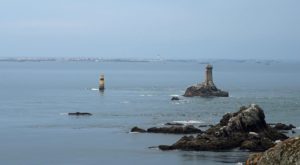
[208,75]
[101,83]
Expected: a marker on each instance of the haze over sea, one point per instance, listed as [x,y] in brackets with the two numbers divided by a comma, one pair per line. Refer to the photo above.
[35,98]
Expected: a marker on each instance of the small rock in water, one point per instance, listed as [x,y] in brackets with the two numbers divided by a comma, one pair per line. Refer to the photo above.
[280,126]
[175,98]
[79,114]
[137,129]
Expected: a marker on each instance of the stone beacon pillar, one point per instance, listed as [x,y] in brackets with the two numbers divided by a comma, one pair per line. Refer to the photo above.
[101,83]
[208,75]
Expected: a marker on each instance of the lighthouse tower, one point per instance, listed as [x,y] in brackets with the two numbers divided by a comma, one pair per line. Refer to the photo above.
[101,83]
[208,76]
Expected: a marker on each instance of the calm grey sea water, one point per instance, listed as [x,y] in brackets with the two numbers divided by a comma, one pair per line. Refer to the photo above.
[35,97]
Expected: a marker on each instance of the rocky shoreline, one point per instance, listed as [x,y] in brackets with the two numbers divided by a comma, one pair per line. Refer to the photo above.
[285,153]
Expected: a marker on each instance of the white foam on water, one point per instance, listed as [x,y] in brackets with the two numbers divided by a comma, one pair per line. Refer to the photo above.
[239,163]
[297,127]
[148,95]
[188,122]
[174,95]
[134,132]
[94,89]
[63,114]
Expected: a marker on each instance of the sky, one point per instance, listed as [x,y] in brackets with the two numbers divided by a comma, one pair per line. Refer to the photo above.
[173,29]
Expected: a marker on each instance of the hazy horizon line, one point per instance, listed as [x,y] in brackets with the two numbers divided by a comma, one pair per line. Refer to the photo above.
[139,58]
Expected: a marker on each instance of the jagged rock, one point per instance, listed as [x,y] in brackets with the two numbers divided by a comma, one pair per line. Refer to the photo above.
[207,88]
[280,126]
[175,130]
[79,114]
[246,129]
[175,98]
[285,153]
[137,129]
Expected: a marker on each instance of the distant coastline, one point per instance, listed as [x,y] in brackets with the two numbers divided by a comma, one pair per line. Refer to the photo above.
[95,59]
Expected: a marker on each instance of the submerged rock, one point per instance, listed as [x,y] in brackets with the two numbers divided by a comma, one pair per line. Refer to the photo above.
[245,129]
[285,153]
[79,114]
[207,88]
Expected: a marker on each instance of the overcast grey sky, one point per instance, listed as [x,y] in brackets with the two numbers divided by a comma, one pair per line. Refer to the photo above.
[179,29]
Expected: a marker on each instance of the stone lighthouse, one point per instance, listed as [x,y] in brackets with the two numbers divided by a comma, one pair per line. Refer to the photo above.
[208,76]
[207,88]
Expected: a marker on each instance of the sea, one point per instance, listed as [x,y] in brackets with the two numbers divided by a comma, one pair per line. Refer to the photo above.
[36,97]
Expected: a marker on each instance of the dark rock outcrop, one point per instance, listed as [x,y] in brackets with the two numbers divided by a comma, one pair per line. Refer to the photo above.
[189,129]
[205,125]
[280,126]
[79,114]
[256,143]
[169,130]
[285,153]
[174,124]
[205,90]
[245,129]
